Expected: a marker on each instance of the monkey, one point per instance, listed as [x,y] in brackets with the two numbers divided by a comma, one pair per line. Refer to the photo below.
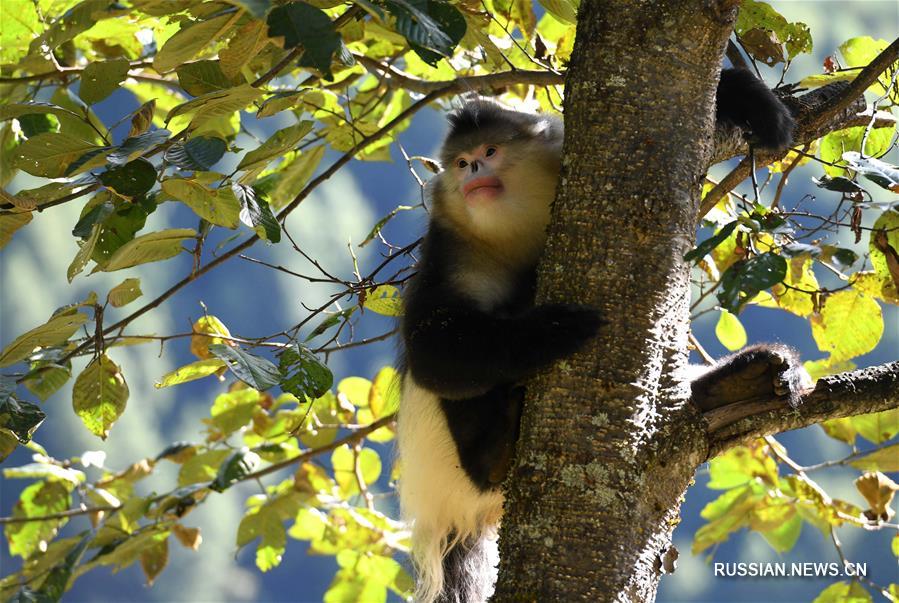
[471,331]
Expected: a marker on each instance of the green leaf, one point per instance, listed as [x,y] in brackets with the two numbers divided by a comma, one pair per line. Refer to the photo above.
[342,459]
[13,110]
[385,300]
[197,154]
[563,10]
[132,179]
[295,176]
[356,390]
[219,207]
[50,154]
[384,397]
[99,395]
[861,50]
[303,374]
[202,467]
[124,293]
[278,143]
[201,77]
[833,146]
[135,146]
[46,378]
[85,251]
[849,324]
[214,105]
[844,592]
[151,247]
[376,229]
[244,46]
[255,371]
[234,410]
[266,524]
[255,211]
[45,471]
[301,24]
[330,321]
[877,427]
[99,80]
[236,467]
[744,280]
[190,40]
[20,25]
[119,227]
[884,459]
[32,125]
[432,27]
[783,537]
[54,586]
[42,498]
[191,372]
[730,331]
[103,206]
[760,16]
[709,244]
[20,417]
[153,558]
[54,332]
[10,223]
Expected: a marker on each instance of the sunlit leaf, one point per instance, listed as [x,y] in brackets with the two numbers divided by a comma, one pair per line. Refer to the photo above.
[850,324]
[54,332]
[255,371]
[102,78]
[191,372]
[152,247]
[99,395]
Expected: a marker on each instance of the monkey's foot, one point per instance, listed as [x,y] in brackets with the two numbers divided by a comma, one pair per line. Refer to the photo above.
[758,371]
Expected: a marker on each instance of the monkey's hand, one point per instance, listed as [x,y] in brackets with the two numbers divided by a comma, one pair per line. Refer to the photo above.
[758,371]
[549,332]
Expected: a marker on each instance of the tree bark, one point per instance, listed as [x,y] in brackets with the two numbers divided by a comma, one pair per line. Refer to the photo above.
[609,440]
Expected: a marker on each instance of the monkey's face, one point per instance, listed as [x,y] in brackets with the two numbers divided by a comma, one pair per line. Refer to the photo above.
[499,191]
[476,174]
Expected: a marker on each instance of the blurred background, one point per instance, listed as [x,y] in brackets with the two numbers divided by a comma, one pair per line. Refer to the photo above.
[253,300]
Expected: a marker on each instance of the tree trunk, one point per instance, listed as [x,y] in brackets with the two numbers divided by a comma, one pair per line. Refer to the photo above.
[609,441]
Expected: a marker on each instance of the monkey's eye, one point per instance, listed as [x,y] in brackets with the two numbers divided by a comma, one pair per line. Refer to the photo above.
[490,151]
[462,164]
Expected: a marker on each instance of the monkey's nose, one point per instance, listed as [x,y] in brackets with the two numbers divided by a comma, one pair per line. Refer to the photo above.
[474,167]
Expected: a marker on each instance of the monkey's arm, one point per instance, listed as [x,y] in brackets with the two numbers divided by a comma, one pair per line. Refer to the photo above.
[746,102]
[458,351]
[755,371]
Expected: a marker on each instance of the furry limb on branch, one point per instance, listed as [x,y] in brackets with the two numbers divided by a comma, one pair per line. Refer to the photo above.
[830,108]
[873,389]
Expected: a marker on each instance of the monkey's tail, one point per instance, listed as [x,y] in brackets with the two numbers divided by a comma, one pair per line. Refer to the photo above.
[455,571]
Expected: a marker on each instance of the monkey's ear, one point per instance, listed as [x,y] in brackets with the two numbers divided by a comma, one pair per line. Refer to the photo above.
[541,128]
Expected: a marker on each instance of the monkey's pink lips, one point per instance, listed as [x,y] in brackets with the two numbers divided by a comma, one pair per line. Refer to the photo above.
[488,187]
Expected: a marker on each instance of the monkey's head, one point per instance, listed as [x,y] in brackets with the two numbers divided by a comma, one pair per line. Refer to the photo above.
[499,173]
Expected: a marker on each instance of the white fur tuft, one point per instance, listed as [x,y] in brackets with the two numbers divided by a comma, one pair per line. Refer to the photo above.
[438,497]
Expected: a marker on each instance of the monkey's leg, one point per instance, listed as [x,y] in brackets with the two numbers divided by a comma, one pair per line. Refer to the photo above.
[756,372]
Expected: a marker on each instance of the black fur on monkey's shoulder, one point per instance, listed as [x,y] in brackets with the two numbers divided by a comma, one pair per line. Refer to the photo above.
[757,371]
[744,101]
[459,351]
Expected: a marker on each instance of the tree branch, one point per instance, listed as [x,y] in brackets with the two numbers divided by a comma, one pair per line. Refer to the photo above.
[396,78]
[873,389]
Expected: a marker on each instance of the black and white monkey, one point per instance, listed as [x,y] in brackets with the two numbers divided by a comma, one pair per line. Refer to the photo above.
[472,332]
